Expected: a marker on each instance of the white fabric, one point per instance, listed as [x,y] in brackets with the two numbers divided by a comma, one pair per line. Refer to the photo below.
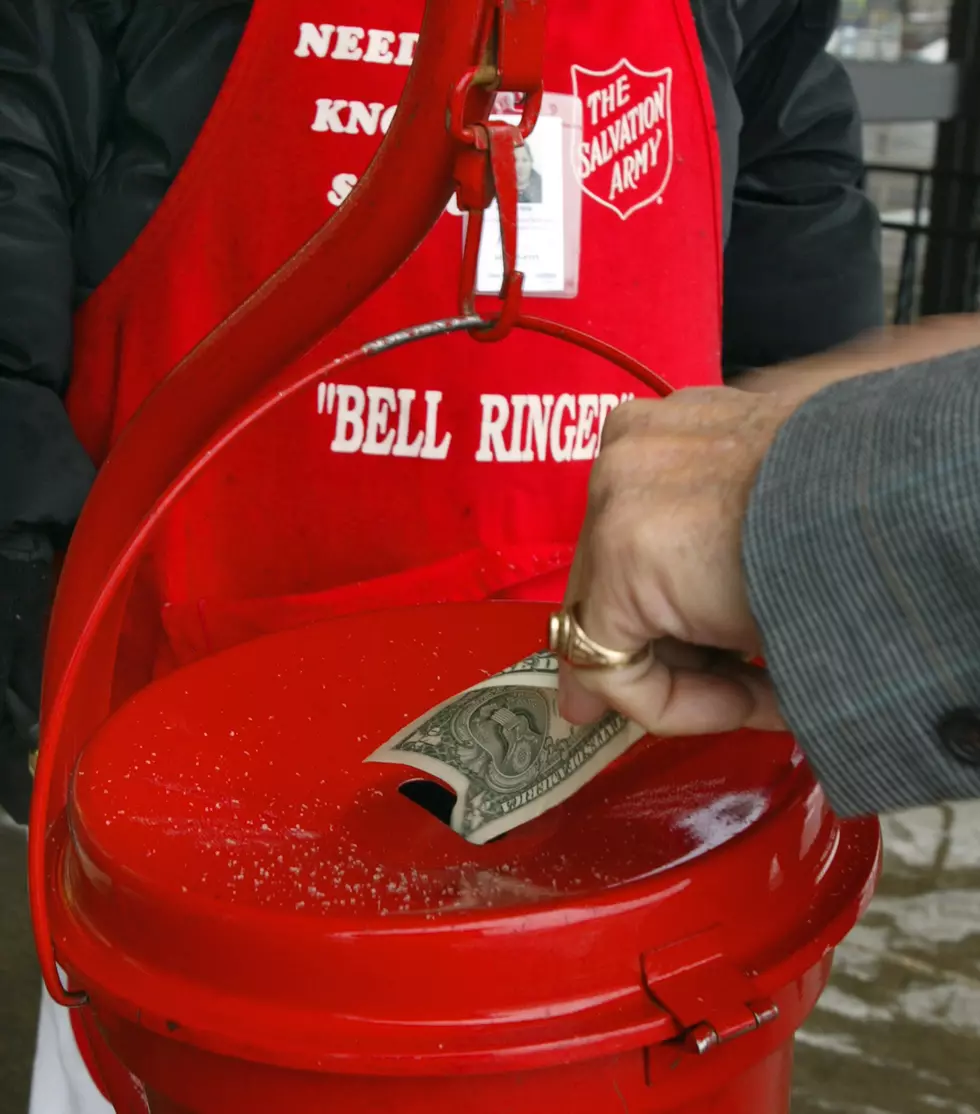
[61,1082]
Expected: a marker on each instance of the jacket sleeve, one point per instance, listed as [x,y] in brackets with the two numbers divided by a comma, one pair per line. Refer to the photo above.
[802,261]
[862,553]
[54,87]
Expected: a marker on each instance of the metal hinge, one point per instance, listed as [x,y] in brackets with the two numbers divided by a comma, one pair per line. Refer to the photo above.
[710,999]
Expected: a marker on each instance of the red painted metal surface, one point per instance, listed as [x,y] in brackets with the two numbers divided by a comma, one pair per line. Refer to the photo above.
[226,814]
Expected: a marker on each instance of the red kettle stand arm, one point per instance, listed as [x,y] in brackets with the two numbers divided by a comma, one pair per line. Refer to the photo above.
[364,243]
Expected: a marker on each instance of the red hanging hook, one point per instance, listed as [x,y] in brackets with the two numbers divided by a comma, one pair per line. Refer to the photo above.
[486,169]
[501,141]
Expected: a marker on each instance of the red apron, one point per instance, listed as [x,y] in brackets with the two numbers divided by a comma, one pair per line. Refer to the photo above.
[448,469]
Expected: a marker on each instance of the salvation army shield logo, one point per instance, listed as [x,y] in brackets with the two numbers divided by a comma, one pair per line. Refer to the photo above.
[626,154]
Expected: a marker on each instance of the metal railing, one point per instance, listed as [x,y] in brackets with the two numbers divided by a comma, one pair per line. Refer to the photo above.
[915,232]
[932,241]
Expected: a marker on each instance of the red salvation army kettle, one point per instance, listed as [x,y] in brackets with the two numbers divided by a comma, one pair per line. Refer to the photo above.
[260,919]
[247,916]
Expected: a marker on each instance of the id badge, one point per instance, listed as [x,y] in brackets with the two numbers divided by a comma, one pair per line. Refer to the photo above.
[549,208]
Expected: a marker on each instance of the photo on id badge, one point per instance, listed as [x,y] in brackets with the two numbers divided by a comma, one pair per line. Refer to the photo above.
[549,207]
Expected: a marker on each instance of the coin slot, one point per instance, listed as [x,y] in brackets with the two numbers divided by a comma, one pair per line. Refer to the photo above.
[438,800]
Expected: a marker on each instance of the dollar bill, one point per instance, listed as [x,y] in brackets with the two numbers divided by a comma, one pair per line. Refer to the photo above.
[504,749]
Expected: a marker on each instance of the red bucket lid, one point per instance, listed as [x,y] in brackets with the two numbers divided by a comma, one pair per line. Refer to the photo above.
[238,876]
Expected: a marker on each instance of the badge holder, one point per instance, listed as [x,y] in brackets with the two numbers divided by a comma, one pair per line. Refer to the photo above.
[549,204]
[486,175]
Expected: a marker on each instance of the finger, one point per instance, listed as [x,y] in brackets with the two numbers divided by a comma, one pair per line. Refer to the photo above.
[683,655]
[637,415]
[577,573]
[644,416]
[765,714]
[683,702]
[576,702]
[583,699]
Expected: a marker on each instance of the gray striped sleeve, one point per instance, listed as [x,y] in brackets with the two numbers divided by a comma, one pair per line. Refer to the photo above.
[862,553]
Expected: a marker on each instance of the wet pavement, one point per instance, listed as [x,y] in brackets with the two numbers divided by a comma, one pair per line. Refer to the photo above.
[897,1032]
[19,976]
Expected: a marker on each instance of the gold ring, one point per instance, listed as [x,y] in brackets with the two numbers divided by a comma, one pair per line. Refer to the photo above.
[567,639]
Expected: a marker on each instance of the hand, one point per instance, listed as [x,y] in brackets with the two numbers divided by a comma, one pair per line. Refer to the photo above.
[659,560]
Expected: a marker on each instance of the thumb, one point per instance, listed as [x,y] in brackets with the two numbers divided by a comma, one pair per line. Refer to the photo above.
[673,701]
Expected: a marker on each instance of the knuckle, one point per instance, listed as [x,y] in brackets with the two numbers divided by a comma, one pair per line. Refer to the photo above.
[625,419]
[617,460]
[648,539]
[611,482]
[602,478]
[615,534]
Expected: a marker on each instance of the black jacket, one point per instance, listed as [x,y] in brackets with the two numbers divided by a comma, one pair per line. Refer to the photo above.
[100,101]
